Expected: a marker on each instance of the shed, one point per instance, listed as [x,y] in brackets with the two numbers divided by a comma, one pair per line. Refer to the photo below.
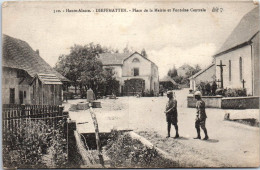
[46,90]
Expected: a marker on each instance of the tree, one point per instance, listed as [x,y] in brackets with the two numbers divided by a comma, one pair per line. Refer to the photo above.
[143,53]
[126,49]
[83,68]
[172,72]
[197,69]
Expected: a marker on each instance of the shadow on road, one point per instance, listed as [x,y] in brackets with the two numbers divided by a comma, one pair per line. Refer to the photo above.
[182,138]
[212,140]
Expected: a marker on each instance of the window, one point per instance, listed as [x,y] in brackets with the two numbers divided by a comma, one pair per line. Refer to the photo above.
[12,95]
[241,68]
[136,71]
[24,94]
[136,60]
[229,70]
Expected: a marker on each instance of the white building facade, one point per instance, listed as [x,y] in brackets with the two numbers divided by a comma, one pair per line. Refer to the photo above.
[140,72]
[240,55]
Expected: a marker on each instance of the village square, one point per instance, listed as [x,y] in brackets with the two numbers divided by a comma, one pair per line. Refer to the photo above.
[103,107]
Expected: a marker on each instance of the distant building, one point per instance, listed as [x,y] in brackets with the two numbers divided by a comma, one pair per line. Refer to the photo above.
[184,69]
[206,75]
[167,83]
[240,55]
[26,77]
[136,74]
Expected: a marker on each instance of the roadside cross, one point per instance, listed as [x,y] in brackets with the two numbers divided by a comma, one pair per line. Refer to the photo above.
[243,82]
[218,82]
[221,72]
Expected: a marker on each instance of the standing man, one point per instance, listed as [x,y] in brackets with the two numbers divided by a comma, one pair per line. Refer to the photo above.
[171,114]
[214,88]
[201,116]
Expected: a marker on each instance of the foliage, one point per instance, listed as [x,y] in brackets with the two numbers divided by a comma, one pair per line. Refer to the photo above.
[83,68]
[109,84]
[143,53]
[127,50]
[180,79]
[236,92]
[193,71]
[34,144]
[172,72]
[127,152]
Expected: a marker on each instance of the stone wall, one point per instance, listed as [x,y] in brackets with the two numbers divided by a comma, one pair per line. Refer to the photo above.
[240,103]
[210,101]
[226,102]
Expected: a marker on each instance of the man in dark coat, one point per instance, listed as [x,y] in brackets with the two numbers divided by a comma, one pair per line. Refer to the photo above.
[171,114]
[201,116]
[214,87]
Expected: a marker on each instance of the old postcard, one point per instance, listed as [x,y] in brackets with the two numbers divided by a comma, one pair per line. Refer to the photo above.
[121,84]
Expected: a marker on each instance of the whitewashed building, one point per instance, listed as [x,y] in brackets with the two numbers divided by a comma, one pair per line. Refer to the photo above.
[135,72]
[240,55]
[205,75]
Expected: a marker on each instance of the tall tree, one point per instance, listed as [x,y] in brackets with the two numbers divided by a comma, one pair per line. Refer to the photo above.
[143,53]
[172,72]
[82,67]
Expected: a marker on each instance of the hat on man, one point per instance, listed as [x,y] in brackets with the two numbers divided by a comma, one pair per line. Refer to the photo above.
[197,93]
[169,92]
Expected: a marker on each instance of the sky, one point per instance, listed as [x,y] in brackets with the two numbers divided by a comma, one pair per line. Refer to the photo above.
[169,38]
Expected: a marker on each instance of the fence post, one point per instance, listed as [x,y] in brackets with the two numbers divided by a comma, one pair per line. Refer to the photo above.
[71,141]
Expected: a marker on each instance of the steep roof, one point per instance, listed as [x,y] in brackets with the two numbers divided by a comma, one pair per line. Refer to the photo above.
[18,54]
[202,71]
[113,58]
[117,58]
[247,28]
[168,79]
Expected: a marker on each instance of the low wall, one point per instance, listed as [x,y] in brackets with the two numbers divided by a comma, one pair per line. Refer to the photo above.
[210,101]
[226,102]
[240,103]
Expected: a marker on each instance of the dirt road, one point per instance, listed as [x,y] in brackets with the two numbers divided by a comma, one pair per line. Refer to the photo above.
[230,145]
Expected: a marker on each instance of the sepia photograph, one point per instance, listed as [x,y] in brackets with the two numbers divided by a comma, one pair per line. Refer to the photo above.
[130,84]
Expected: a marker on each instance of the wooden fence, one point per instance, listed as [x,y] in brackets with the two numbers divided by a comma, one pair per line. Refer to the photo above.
[14,115]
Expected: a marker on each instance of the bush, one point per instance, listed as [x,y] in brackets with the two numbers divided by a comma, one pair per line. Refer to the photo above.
[220,92]
[126,152]
[236,92]
[34,144]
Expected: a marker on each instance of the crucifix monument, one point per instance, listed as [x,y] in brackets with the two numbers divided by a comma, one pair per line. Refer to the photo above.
[221,73]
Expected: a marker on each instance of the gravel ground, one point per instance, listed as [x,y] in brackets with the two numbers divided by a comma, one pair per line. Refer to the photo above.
[231,144]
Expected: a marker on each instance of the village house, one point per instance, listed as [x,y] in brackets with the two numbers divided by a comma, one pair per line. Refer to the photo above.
[136,73]
[205,75]
[240,56]
[26,77]
[183,70]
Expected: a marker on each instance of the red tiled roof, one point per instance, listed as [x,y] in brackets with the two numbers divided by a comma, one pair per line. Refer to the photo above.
[247,28]
[18,54]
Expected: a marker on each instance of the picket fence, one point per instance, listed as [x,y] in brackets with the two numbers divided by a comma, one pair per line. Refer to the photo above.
[14,115]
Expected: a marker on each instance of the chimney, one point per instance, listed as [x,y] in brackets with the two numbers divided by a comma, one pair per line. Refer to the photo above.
[37,52]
